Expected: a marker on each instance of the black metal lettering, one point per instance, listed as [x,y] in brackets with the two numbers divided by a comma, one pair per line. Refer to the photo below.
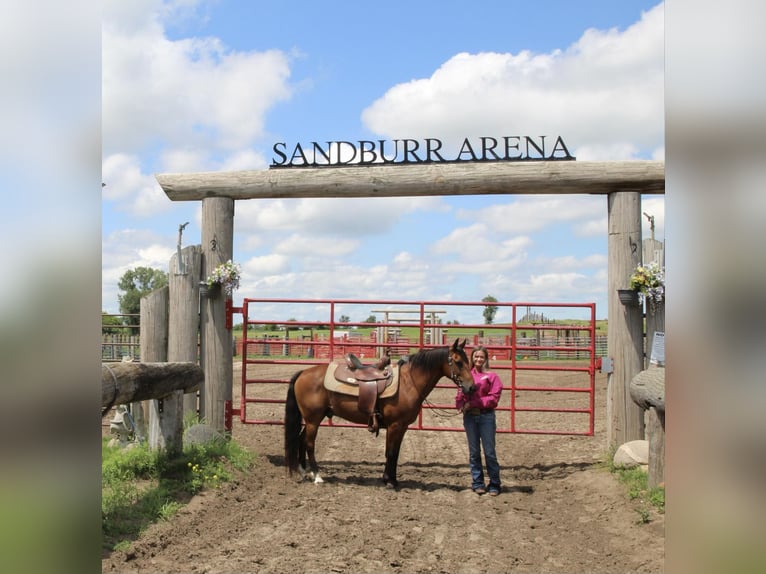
[298,153]
[338,160]
[367,147]
[408,151]
[280,153]
[319,151]
[509,147]
[488,149]
[560,144]
[466,148]
[383,151]
[433,149]
[540,151]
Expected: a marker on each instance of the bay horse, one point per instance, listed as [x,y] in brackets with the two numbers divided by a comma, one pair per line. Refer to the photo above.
[309,402]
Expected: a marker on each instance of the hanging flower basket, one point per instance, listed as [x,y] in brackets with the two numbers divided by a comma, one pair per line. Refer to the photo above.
[226,276]
[649,282]
[209,291]
[628,297]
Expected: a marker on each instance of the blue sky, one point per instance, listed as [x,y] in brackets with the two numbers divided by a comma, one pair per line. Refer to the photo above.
[206,86]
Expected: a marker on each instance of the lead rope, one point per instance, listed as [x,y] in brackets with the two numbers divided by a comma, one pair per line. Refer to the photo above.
[437,411]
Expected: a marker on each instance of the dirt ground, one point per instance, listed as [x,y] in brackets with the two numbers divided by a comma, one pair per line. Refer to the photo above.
[560,511]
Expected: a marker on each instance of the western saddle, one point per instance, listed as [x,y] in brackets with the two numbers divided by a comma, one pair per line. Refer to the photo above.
[372,380]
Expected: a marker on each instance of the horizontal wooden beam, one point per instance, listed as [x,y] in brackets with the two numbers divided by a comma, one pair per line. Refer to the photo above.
[130,382]
[413,180]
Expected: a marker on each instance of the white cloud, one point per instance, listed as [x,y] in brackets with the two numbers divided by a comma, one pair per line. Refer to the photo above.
[333,216]
[243,160]
[569,262]
[266,265]
[135,192]
[592,227]
[189,105]
[122,174]
[298,245]
[127,249]
[550,287]
[527,214]
[603,94]
[193,91]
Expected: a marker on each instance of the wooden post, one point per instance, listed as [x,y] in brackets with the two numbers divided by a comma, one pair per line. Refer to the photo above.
[164,428]
[653,417]
[152,347]
[217,353]
[655,431]
[183,315]
[625,420]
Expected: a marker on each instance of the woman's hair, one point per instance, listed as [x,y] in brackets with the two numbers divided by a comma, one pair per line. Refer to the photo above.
[486,355]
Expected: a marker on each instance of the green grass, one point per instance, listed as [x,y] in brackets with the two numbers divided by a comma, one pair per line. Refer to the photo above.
[140,486]
[636,485]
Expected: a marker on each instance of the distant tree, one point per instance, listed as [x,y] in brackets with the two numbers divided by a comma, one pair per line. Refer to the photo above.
[110,324]
[490,310]
[136,283]
[344,319]
[371,319]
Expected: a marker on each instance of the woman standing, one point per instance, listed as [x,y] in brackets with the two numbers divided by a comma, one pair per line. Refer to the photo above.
[479,422]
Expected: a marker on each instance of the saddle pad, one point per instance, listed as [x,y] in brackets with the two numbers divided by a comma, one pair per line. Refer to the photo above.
[331,384]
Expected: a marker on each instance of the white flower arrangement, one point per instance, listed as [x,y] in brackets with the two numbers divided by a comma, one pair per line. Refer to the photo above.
[649,281]
[226,275]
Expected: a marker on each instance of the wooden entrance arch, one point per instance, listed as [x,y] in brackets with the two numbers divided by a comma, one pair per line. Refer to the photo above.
[623,182]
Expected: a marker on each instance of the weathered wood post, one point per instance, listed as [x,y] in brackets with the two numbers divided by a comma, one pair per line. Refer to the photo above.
[654,416]
[216,341]
[625,419]
[183,316]
[165,428]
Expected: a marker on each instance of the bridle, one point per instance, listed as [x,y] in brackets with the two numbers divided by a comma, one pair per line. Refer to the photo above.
[454,375]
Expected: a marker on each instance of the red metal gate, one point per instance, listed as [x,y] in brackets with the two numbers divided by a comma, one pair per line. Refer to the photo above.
[547,365]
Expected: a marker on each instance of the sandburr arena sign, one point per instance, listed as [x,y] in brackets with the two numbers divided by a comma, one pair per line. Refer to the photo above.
[413,151]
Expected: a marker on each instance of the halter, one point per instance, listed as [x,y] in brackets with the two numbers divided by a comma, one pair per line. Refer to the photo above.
[452,374]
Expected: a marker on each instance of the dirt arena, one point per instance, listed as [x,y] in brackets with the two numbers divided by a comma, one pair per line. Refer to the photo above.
[560,510]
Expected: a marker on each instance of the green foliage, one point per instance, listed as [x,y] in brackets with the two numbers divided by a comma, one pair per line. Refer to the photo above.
[110,324]
[140,486]
[134,284]
[636,486]
[490,310]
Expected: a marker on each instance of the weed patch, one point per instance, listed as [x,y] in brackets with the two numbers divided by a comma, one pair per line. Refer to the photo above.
[140,486]
[635,480]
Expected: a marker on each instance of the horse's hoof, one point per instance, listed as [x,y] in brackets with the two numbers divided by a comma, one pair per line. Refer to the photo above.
[318,479]
[391,486]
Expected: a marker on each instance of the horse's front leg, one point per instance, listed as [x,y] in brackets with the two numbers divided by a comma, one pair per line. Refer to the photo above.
[394,436]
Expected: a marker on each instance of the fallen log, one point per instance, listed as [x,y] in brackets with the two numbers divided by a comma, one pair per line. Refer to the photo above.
[129,382]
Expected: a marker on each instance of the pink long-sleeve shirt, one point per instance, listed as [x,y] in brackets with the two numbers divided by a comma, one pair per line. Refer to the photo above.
[487,393]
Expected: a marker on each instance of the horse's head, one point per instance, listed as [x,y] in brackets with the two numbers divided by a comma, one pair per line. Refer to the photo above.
[460,367]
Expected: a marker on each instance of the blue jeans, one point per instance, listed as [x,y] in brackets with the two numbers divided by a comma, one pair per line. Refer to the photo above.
[480,430]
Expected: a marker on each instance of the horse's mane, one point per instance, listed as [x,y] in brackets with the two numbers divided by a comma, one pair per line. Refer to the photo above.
[429,359]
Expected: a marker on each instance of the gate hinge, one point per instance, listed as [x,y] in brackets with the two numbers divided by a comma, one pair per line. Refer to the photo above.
[230,310]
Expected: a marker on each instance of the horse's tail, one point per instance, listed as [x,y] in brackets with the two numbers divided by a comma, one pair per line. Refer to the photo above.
[293,422]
